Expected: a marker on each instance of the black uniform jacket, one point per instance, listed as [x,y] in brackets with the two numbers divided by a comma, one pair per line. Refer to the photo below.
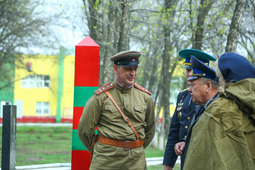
[184,111]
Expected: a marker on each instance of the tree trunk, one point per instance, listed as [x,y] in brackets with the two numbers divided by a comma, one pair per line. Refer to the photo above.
[204,7]
[124,31]
[234,27]
[169,5]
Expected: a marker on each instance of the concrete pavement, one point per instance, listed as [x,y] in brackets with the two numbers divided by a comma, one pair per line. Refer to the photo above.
[67,166]
[42,124]
[53,166]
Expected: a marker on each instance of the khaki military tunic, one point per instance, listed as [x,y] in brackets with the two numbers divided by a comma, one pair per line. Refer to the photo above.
[100,112]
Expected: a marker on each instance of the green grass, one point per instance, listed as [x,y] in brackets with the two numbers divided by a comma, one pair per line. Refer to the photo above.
[152,152]
[43,145]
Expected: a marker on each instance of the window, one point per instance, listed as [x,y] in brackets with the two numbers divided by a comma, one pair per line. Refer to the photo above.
[36,81]
[42,108]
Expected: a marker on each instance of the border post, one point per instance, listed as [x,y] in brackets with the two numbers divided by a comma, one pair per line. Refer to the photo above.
[9,137]
[86,81]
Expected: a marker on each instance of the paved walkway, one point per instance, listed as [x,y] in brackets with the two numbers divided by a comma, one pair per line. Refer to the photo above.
[43,124]
[67,166]
[53,166]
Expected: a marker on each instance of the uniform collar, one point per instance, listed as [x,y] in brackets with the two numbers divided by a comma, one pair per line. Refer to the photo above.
[121,88]
[211,100]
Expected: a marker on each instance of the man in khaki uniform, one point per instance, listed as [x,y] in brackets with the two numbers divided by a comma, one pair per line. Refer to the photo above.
[122,137]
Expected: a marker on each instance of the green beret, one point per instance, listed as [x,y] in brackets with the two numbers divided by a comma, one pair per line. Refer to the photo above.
[202,56]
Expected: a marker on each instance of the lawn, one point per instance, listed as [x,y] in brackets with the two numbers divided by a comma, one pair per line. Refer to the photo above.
[43,145]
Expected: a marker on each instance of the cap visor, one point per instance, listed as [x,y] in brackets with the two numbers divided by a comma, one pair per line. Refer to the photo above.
[193,78]
[187,66]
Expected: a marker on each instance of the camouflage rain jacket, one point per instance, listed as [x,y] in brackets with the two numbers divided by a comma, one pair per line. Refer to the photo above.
[224,137]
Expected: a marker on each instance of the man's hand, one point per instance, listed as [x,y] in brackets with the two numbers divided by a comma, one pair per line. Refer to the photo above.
[179,147]
[167,167]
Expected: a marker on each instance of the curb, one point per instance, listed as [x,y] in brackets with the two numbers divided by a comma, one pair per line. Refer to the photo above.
[67,166]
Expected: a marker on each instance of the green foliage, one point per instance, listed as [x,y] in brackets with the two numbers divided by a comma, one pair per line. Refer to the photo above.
[96,5]
[222,31]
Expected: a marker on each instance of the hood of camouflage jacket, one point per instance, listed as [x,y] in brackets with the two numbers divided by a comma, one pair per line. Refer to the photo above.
[243,93]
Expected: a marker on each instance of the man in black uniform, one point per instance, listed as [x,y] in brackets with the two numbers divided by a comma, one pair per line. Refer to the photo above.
[185,109]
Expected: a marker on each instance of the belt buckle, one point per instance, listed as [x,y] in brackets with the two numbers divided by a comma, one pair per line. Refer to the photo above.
[127,141]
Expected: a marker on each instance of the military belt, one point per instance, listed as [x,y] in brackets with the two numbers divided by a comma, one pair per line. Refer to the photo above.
[126,144]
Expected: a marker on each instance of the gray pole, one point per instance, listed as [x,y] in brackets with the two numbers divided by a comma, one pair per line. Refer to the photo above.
[9,137]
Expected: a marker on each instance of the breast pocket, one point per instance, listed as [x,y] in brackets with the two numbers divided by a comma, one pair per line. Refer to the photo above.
[140,109]
[110,113]
[140,112]
[140,116]
[110,108]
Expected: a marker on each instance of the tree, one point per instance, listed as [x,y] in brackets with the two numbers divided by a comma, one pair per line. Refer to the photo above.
[159,29]
[247,31]
[108,24]
[204,7]
[123,44]
[166,73]
[235,25]
[22,28]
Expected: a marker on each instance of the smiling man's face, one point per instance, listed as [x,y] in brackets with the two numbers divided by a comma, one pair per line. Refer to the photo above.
[125,75]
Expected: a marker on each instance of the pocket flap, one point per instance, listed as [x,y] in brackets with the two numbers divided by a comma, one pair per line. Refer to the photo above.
[111,108]
[140,108]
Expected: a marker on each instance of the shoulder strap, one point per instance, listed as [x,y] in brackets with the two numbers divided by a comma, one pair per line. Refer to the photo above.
[142,88]
[105,87]
[185,92]
[122,114]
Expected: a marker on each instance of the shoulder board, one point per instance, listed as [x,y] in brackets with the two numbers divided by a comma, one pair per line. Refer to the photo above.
[142,88]
[185,89]
[184,92]
[104,88]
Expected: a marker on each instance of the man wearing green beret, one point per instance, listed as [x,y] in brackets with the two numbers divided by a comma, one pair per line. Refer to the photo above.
[184,112]
[123,113]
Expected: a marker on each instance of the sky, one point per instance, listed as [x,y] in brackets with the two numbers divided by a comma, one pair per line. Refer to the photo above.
[68,26]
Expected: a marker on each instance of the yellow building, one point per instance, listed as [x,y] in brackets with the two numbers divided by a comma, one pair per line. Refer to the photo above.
[37,92]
